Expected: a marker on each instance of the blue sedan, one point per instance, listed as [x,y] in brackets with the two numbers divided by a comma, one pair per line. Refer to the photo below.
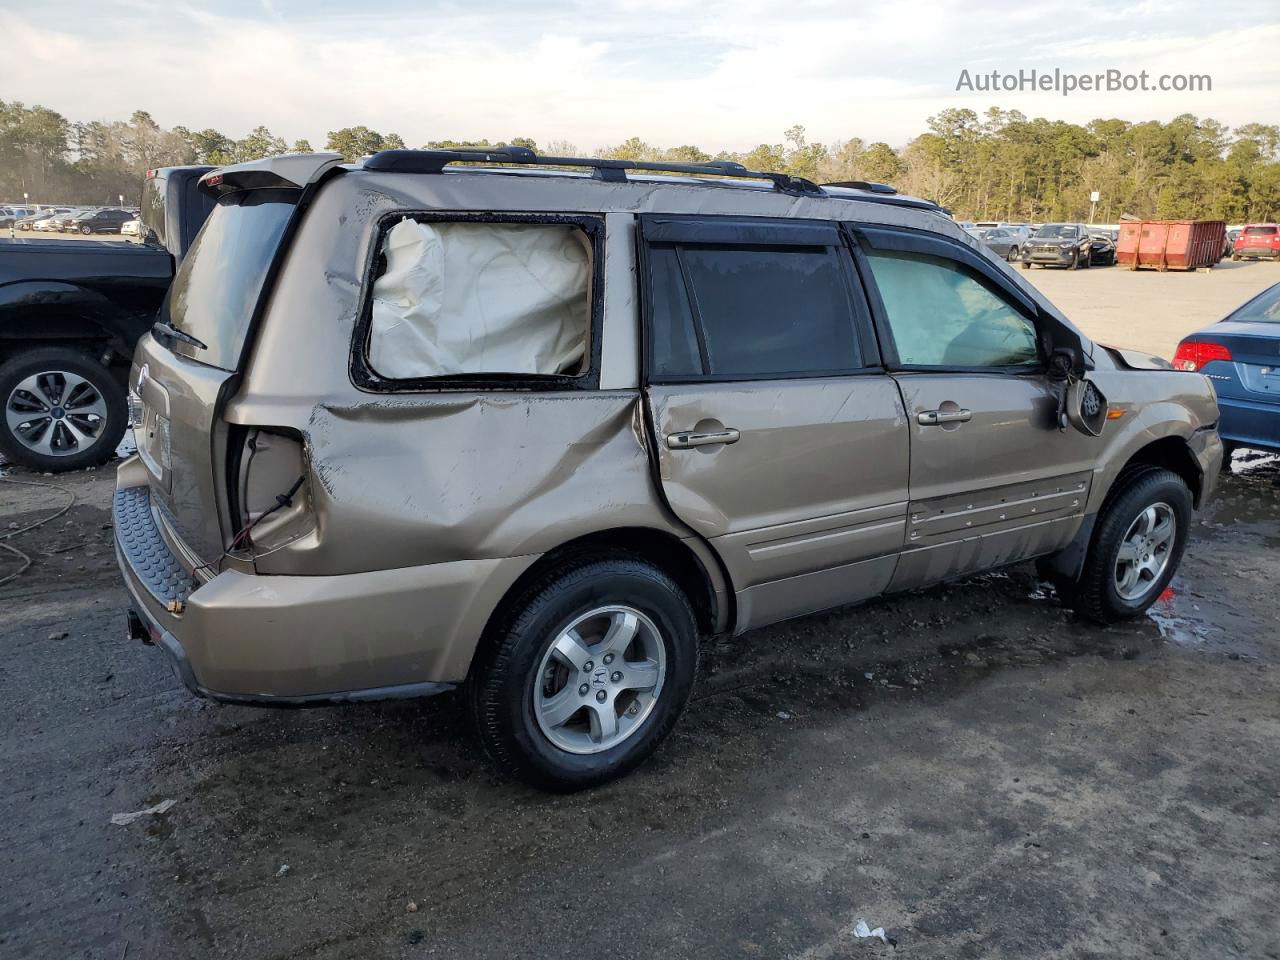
[1241,355]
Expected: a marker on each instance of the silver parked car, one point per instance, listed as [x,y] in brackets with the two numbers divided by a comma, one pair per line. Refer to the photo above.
[407,425]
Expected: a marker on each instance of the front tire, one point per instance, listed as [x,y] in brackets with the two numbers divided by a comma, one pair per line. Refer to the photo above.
[1013,254]
[1138,542]
[584,673]
[62,410]
[1075,261]
[86,230]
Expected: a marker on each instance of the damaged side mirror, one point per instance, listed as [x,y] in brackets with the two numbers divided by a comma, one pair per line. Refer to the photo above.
[1080,403]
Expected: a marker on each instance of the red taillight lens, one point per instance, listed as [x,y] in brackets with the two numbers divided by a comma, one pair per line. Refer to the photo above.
[1193,356]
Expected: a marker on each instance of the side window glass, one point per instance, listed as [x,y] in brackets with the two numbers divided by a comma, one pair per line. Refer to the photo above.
[941,316]
[475,298]
[761,311]
[675,344]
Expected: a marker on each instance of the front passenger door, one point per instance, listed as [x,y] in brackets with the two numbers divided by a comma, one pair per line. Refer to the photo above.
[993,479]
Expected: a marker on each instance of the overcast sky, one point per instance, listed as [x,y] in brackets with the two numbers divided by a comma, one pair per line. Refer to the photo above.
[721,75]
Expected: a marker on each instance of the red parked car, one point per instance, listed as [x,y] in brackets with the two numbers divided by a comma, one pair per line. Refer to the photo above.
[1258,241]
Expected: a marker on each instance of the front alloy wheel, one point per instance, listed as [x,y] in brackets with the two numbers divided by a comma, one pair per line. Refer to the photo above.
[1145,551]
[1138,540]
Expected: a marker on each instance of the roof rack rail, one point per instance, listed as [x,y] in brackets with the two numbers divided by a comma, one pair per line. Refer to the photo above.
[864,185]
[612,171]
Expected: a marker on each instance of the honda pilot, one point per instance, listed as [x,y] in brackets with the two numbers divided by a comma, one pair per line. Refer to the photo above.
[531,426]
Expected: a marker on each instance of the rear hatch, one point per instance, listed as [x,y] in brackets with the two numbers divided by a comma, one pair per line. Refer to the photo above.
[1262,240]
[182,374]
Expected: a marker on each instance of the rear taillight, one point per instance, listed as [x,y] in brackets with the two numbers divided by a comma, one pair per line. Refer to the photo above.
[1193,356]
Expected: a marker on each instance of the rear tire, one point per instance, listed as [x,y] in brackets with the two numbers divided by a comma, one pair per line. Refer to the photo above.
[544,717]
[1105,591]
[21,406]
[86,230]
[1026,264]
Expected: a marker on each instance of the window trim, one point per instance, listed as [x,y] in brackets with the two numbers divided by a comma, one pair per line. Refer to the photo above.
[747,233]
[365,378]
[929,244]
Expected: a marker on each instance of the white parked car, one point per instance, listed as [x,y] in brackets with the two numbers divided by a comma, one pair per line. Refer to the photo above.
[131,228]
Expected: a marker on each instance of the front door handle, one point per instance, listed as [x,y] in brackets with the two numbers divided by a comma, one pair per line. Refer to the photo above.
[687,438]
[932,418]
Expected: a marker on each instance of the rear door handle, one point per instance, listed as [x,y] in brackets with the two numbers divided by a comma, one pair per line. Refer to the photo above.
[931,418]
[686,439]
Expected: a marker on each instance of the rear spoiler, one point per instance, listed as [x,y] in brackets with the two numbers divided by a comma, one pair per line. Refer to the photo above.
[289,171]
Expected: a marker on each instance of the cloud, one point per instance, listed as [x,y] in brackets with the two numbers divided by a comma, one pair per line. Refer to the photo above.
[714,73]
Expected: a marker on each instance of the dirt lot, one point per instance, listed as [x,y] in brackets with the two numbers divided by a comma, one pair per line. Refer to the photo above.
[969,767]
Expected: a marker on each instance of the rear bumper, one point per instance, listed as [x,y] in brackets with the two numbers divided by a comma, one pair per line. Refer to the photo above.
[291,640]
[1249,423]
[1268,253]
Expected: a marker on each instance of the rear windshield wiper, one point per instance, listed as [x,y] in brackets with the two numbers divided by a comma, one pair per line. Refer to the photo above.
[167,330]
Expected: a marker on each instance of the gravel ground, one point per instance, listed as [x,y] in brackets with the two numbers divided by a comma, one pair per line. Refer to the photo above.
[969,767]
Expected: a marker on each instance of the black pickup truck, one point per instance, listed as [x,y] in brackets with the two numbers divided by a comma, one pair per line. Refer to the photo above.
[71,312]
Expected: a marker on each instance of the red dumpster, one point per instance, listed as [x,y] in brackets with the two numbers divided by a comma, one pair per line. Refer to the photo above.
[1170,244]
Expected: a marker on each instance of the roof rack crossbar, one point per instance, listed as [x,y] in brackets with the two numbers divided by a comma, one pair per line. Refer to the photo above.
[614,171]
[868,185]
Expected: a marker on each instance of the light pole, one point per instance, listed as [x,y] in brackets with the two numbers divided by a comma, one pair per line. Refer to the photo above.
[121,196]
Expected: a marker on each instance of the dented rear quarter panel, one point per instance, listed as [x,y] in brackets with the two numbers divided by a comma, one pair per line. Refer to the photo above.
[402,479]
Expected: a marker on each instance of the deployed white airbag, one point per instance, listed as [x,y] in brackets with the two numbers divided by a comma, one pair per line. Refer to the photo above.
[481,298]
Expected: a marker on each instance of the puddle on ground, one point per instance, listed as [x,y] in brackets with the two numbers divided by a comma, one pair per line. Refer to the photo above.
[1182,622]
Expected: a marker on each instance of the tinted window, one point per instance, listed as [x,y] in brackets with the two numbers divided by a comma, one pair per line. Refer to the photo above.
[761,311]
[941,315]
[217,286]
[1259,231]
[675,344]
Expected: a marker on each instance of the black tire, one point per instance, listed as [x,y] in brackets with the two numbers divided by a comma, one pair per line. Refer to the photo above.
[1013,254]
[500,689]
[73,361]
[1094,595]
[86,229]
[1026,264]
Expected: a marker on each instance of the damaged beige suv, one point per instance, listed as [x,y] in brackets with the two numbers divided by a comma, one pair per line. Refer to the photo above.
[532,428]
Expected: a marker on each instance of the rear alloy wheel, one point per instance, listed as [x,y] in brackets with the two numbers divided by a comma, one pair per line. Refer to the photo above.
[584,673]
[1137,544]
[62,410]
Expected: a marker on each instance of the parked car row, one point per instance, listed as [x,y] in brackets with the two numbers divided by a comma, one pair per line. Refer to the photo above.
[83,220]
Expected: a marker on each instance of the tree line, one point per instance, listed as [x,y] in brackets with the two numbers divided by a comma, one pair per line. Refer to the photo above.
[999,165]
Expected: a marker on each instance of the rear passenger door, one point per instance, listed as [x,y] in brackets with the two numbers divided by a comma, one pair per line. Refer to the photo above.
[779,436]
[993,479]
